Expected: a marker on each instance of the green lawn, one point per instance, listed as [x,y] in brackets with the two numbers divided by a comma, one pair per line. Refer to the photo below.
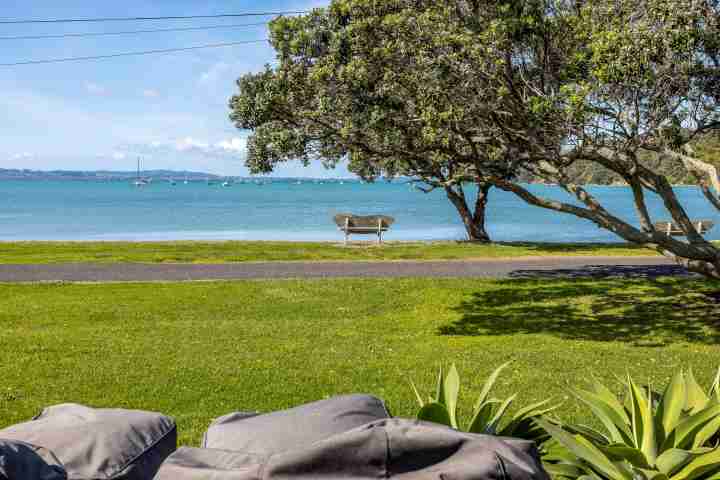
[217,252]
[199,350]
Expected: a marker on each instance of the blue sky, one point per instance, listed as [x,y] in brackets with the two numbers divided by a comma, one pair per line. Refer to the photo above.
[171,109]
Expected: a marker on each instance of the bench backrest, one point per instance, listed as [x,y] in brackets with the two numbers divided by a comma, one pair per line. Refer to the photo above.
[360,221]
[671,228]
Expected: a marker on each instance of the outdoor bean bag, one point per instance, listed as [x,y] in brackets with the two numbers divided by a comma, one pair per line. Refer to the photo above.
[91,444]
[392,448]
[287,429]
[20,460]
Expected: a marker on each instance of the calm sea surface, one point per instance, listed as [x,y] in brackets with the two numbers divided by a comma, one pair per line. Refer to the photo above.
[31,210]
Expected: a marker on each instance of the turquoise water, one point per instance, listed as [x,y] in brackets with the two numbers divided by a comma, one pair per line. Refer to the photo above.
[32,210]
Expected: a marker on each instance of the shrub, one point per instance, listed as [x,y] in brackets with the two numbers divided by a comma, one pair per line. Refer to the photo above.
[651,436]
[488,413]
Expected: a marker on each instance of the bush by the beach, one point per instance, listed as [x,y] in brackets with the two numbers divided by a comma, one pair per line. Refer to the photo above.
[647,435]
[489,414]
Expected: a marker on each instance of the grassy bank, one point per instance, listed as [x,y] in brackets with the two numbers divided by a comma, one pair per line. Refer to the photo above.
[199,350]
[219,252]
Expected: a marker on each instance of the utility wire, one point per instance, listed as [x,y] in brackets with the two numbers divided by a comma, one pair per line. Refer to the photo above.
[130,32]
[135,19]
[128,54]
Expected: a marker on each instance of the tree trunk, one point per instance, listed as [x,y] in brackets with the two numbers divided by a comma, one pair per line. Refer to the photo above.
[697,254]
[474,221]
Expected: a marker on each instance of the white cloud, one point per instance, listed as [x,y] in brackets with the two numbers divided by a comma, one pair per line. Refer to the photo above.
[118,156]
[189,143]
[95,89]
[229,150]
[22,156]
[235,144]
[150,93]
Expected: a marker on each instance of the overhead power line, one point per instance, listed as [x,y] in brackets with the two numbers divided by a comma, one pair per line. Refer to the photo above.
[136,19]
[129,54]
[130,32]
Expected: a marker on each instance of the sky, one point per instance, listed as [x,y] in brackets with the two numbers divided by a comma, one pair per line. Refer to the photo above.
[169,109]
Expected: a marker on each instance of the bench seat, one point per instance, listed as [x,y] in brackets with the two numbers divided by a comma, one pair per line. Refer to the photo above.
[351,224]
[673,229]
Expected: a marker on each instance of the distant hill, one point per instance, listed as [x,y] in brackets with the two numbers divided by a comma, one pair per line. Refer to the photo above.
[707,148]
[26,174]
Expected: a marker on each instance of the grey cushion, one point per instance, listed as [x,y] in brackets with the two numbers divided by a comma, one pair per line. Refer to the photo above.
[100,443]
[288,429]
[209,464]
[391,448]
[19,460]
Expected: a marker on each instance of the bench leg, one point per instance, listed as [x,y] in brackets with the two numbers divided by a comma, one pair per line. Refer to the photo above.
[347,235]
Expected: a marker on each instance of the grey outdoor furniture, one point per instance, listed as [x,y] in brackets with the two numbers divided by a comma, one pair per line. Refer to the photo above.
[363,225]
[92,444]
[673,229]
[287,429]
[320,440]
[19,460]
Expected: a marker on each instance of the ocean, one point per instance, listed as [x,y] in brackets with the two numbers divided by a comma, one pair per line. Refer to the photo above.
[286,210]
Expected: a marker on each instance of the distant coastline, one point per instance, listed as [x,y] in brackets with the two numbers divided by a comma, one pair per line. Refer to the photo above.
[192,176]
[111,175]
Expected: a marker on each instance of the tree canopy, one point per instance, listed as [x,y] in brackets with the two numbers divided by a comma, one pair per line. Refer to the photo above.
[491,92]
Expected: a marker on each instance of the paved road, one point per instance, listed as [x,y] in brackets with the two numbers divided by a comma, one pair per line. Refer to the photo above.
[535,267]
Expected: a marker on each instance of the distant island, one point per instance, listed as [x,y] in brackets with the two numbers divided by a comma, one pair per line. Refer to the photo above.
[111,176]
[148,175]
[101,175]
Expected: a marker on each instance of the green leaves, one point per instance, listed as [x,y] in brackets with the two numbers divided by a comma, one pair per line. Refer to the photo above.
[435,412]
[668,436]
[578,445]
[488,413]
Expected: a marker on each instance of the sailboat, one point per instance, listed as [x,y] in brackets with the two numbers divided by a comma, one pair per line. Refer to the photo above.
[139,182]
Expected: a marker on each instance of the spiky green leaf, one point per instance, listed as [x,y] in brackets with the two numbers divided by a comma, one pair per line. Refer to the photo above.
[451,389]
[696,398]
[417,394]
[436,413]
[611,420]
[495,422]
[643,422]
[701,466]
[672,403]
[620,451]
[488,386]
[684,434]
[670,461]
[586,451]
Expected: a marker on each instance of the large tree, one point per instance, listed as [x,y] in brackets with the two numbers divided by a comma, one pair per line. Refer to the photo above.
[349,83]
[484,90]
[614,83]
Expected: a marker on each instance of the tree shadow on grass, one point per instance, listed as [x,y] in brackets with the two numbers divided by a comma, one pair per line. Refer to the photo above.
[607,271]
[565,248]
[645,312]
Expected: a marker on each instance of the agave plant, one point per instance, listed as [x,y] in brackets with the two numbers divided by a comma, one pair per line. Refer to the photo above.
[651,436]
[488,413]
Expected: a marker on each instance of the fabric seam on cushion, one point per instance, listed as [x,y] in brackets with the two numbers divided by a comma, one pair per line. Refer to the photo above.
[501,467]
[145,450]
[388,452]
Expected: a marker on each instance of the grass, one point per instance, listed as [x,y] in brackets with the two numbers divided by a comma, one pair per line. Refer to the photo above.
[200,350]
[219,252]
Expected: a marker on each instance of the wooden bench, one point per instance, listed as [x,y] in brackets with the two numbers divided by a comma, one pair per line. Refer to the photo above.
[673,229]
[363,225]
